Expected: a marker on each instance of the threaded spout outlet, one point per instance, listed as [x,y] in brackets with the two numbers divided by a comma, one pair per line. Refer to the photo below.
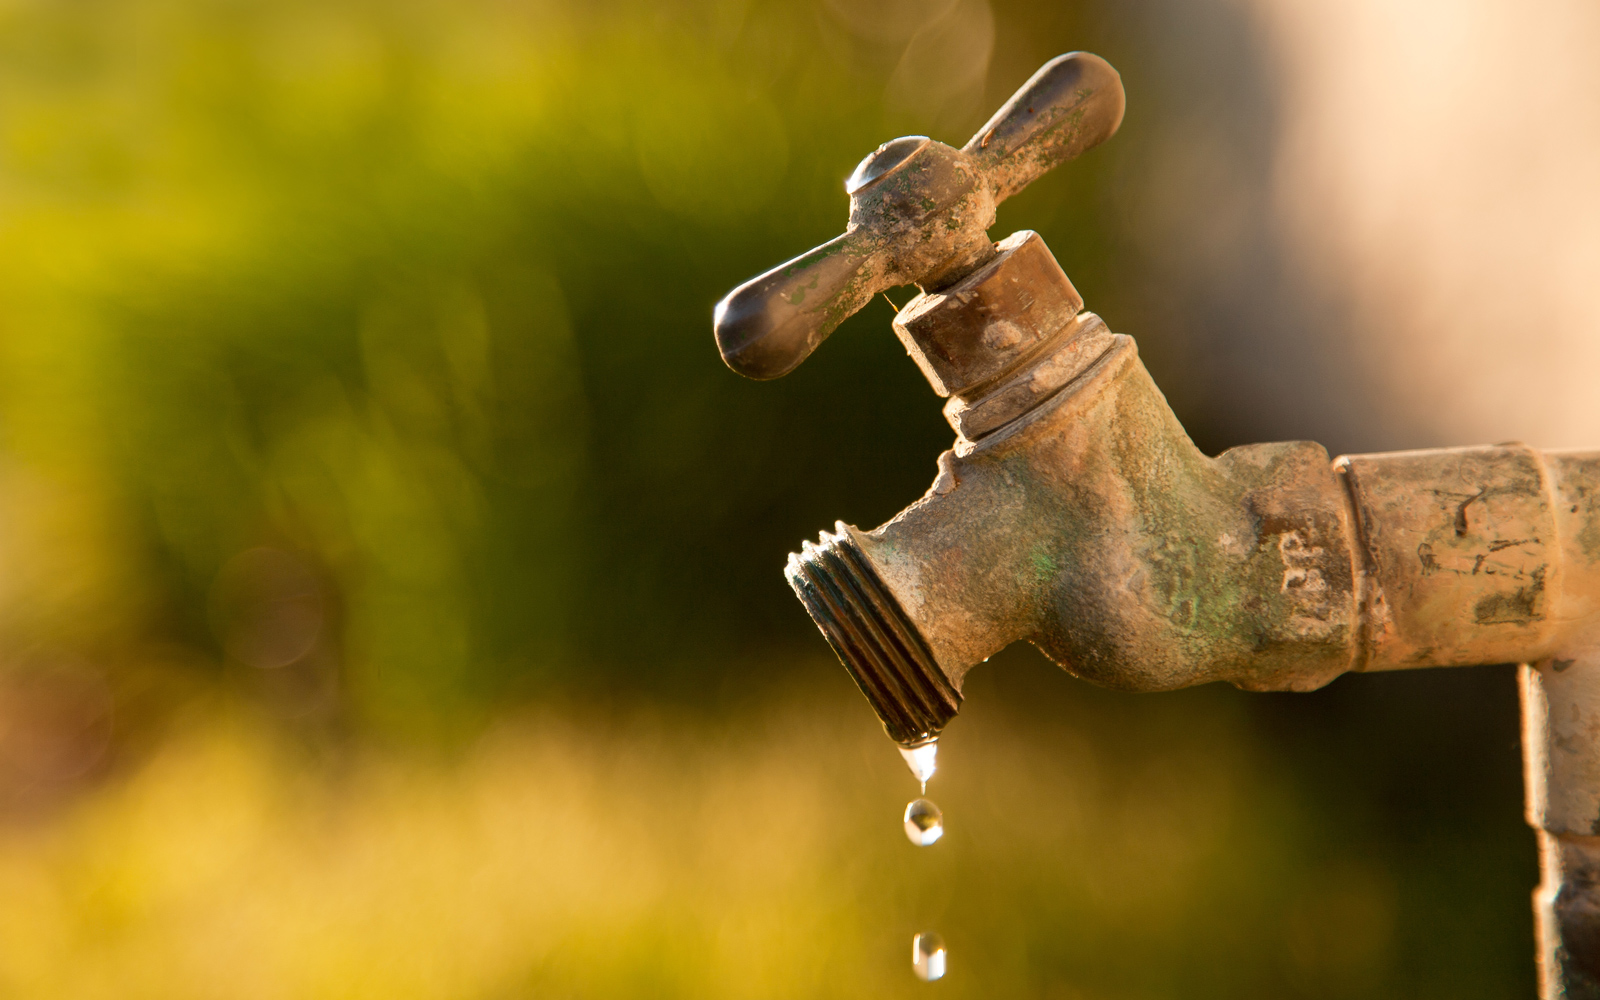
[876,641]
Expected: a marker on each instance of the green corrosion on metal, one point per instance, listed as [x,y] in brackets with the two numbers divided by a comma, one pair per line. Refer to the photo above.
[1043,565]
[806,260]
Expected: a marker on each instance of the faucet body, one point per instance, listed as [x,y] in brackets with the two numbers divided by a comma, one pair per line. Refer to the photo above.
[1095,529]
[1074,512]
[1090,525]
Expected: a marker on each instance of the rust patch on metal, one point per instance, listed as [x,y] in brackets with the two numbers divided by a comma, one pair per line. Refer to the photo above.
[1519,607]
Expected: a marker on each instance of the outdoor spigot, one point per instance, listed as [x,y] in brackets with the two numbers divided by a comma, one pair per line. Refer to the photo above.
[919,214]
[1074,512]
[998,328]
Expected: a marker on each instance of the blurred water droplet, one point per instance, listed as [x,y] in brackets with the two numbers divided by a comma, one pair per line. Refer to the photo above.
[922,760]
[924,822]
[928,956]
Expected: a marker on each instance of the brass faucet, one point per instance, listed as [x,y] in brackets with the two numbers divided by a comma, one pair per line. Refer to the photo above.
[1074,512]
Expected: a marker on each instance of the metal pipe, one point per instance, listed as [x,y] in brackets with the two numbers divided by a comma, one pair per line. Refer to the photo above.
[1095,529]
[1561,754]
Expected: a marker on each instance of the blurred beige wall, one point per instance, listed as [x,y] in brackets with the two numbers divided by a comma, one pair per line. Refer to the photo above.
[1437,178]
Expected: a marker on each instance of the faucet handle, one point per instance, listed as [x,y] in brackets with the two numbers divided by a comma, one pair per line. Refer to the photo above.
[920,212]
[1074,103]
[771,323]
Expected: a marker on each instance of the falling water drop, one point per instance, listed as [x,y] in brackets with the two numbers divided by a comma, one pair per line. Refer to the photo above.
[922,760]
[928,956]
[924,822]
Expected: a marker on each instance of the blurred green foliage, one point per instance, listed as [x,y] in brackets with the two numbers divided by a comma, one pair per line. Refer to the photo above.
[420,292]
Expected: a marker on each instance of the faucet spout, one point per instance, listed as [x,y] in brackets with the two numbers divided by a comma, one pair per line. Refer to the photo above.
[881,647]
[1094,528]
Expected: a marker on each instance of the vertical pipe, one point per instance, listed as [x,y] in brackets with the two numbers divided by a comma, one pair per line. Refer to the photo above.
[1561,754]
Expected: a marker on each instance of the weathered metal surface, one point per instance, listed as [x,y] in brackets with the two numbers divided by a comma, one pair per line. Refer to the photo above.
[1561,753]
[985,410]
[1462,559]
[919,214]
[1574,478]
[1073,103]
[1567,916]
[991,321]
[1094,528]
[1561,724]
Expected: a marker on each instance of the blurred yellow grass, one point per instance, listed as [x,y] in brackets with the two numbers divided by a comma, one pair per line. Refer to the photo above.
[586,854]
[221,869]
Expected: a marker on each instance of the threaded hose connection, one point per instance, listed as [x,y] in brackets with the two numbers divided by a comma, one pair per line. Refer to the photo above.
[874,638]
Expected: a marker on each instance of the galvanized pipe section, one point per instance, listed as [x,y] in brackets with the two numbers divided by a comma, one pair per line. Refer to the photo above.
[1561,754]
[1462,557]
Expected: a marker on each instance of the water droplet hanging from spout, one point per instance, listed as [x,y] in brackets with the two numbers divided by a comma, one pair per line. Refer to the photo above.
[924,822]
[923,760]
[928,956]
